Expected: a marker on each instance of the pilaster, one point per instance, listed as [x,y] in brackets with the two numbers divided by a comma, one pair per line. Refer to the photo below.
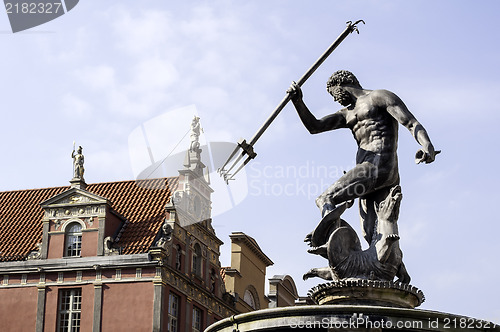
[40,308]
[96,325]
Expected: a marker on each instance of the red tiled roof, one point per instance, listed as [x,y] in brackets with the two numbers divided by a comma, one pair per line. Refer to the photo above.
[141,203]
[20,220]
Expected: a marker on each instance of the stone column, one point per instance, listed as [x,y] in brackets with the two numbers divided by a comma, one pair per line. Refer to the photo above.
[100,237]
[45,240]
[96,326]
[189,314]
[158,304]
[40,308]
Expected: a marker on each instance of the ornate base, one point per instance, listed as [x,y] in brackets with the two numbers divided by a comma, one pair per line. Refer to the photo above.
[367,292]
[347,318]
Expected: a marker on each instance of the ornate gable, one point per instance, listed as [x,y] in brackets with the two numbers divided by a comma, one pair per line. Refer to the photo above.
[72,199]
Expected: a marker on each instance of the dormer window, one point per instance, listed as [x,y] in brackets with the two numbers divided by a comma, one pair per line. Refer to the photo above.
[73,240]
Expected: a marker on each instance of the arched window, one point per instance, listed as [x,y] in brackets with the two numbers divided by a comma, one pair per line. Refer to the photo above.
[249,299]
[197,260]
[73,240]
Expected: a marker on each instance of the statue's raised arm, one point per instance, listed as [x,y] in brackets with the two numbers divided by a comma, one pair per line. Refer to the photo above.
[330,122]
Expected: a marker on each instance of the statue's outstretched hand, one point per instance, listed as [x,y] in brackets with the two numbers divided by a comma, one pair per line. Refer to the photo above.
[426,157]
[295,91]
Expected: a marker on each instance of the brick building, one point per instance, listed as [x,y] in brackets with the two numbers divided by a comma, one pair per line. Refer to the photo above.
[124,256]
[116,256]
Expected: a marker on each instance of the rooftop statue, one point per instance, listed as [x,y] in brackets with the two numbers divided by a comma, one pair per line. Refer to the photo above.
[195,134]
[78,160]
[373,117]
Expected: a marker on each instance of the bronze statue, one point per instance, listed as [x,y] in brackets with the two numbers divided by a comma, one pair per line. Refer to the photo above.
[373,117]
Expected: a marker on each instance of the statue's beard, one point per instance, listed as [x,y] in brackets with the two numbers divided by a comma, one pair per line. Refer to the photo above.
[341,96]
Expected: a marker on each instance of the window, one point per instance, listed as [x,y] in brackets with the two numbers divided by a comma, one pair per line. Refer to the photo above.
[74,240]
[70,307]
[249,299]
[213,280]
[197,260]
[173,313]
[197,319]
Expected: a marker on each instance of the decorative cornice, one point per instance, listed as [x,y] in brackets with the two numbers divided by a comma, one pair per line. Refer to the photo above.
[80,263]
[252,245]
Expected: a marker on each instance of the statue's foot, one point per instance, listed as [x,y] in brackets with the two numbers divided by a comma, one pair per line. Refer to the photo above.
[327,208]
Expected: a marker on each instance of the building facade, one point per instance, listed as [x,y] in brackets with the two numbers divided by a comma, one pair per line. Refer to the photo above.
[120,256]
[137,255]
[245,278]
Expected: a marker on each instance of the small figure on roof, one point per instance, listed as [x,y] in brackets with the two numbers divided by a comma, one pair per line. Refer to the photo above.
[78,160]
[195,134]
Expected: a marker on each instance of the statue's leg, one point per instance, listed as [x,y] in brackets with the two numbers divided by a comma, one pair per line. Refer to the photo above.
[367,218]
[353,184]
[367,210]
[364,182]
[356,183]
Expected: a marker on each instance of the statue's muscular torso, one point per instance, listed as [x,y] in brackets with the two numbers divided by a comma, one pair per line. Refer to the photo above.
[376,132]
[373,128]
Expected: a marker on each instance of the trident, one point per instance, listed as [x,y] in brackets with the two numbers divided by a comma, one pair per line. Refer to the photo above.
[247,148]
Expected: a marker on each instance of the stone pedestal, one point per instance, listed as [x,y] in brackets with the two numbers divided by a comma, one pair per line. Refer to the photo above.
[367,292]
[329,318]
[354,305]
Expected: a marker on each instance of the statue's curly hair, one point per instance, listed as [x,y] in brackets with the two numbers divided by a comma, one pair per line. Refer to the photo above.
[341,77]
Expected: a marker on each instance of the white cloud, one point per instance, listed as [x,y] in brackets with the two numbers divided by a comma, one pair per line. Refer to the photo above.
[152,74]
[142,33]
[107,163]
[100,77]
[75,107]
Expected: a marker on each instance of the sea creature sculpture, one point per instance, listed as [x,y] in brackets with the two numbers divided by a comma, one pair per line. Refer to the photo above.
[383,260]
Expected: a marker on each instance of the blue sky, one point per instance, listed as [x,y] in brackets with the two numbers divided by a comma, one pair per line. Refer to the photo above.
[105,69]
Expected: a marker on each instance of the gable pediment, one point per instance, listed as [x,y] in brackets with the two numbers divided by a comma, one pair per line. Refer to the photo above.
[74,197]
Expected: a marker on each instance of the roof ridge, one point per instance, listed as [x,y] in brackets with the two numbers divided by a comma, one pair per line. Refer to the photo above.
[90,184]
